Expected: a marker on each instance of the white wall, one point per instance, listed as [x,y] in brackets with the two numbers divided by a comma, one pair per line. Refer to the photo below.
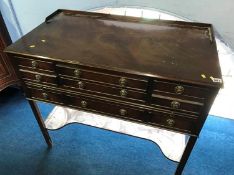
[218,12]
[30,13]
[33,12]
[9,18]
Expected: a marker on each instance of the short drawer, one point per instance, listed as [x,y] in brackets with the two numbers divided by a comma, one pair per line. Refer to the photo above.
[90,87]
[180,89]
[45,95]
[174,121]
[34,64]
[177,104]
[38,77]
[122,81]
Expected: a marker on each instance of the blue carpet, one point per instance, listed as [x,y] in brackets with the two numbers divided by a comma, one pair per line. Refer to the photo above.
[84,150]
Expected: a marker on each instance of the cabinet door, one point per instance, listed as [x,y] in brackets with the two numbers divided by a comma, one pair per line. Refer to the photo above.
[7,73]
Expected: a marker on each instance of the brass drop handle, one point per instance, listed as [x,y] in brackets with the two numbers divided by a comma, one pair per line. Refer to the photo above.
[122,81]
[38,78]
[83,104]
[175,104]
[123,112]
[77,72]
[45,95]
[179,89]
[81,85]
[123,93]
[34,64]
[170,122]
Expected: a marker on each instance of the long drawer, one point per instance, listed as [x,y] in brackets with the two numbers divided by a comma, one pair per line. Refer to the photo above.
[87,104]
[112,91]
[112,79]
[162,118]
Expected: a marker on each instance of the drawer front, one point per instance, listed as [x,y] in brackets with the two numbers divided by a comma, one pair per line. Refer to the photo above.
[87,104]
[101,77]
[174,122]
[84,86]
[164,119]
[38,77]
[107,108]
[34,64]
[180,89]
[45,95]
[177,104]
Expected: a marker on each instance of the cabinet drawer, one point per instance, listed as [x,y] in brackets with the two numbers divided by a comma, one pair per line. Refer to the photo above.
[180,89]
[90,87]
[34,64]
[173,121]
[122,81]
[177,104]
[38,77]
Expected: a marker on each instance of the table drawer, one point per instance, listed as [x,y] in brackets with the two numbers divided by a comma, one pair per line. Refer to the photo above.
[38,77]
[121,81]
[174,121]
[87,103]
[34,64]
[85,86]
[180,89]
[177,104]
[45,95]
[165,119]
[107,108]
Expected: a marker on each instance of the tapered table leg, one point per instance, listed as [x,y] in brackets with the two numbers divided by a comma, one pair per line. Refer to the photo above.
[40,122]
[191,142]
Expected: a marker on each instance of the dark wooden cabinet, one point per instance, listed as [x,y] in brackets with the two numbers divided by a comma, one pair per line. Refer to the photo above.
[7,73]
[160,73]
